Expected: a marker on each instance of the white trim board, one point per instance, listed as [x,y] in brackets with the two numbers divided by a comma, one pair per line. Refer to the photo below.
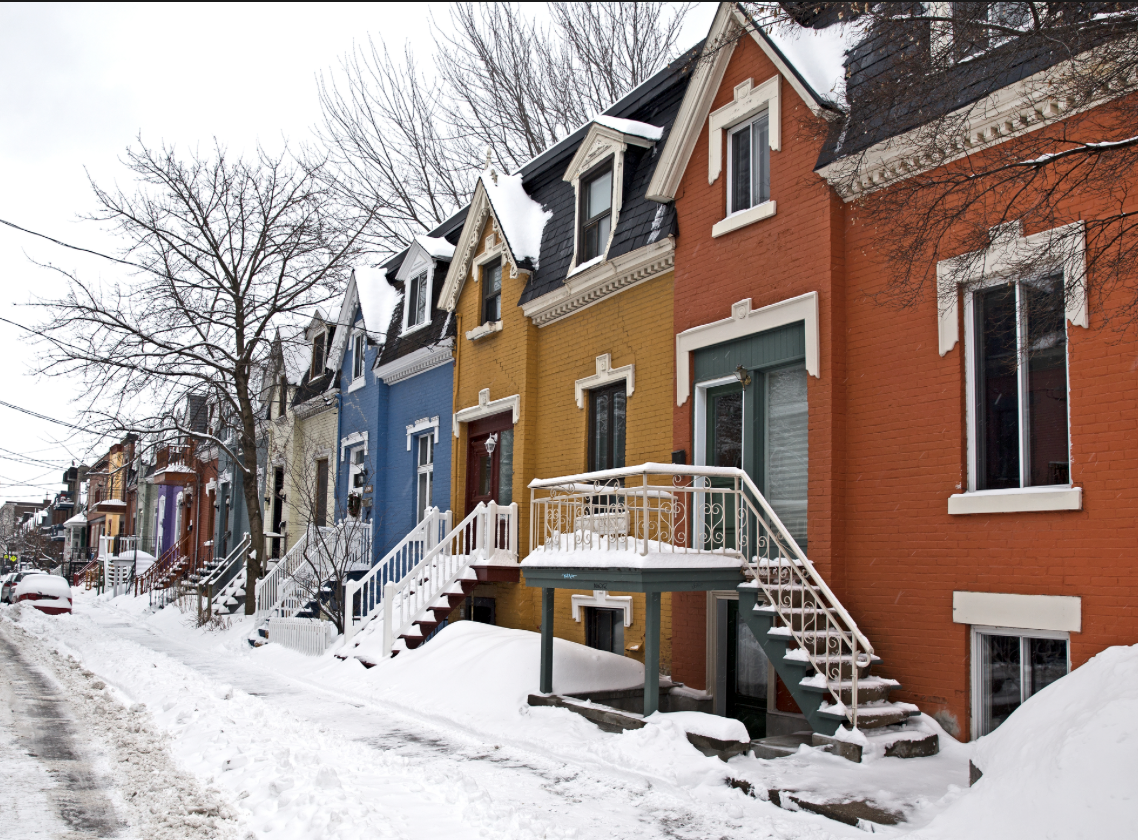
[606,375]
[743,322]
[487,408]
[1061,613]
[748,101]
[1017,500]
[604,601]
[351,441]
[423,424]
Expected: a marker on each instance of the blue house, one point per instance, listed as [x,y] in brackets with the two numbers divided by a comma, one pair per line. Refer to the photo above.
[394,347]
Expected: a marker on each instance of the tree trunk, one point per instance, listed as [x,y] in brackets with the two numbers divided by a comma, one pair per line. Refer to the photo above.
[252,491]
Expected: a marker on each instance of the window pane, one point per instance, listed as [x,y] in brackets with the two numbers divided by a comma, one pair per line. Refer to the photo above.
[1047,381]
[424,495]
[602,230]
[484,475]
[599,198]
[600,405]
[729,430]
[492,279]
[604,629]
[787,448]
[997,389]
[619,410]
[418,300]
[750,664]
[761,155]
[999,679]
[506,467]
[1048,662]
[741,170]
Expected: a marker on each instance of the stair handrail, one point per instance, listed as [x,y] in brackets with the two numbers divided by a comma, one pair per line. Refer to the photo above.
[161,566]
[395,564]
[274,587]
[234,558]
[477,537]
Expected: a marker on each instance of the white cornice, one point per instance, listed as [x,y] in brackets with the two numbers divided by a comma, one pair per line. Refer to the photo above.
[487,408]
[1009,112]
[606,374]
[417,362]
[601,281]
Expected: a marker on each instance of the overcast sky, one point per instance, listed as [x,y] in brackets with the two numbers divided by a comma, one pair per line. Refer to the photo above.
[80,83]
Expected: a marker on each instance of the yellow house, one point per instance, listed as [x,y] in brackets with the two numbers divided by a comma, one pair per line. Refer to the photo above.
[561,287]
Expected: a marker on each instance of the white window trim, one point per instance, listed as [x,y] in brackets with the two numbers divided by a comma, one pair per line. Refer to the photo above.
[423,424]
[487,408]
[427,292]
[748,101]
[351,441]
[602,600]
[357,381]
[483,330]
[977,631]
[606,375]
[495,248]
[743,218]
[1016,500]
[745,321]
[1054,613]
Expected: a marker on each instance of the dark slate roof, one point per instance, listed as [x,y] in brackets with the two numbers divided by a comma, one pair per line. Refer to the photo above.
[887,99]
[656,102]
[441,326]
[313,387]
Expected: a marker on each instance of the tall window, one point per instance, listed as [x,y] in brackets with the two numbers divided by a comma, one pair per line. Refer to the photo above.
[318,356]
[359,352]
[417,301]
[972,32]
[282,396]
[492,292]
[322,492]
[607,409]
[425,474]
[596,214]
[749,164]
[1010,667]
[1019,401]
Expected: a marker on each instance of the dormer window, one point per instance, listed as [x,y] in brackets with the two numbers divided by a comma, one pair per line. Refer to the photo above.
[282,396]
[417,301]
[749,164]
[596,213]
[492,291]
[318,355]
[359,351]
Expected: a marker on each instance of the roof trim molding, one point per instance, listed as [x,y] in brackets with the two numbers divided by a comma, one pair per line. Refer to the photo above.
[463,263]
[416,362]
[599,142]
[345,323]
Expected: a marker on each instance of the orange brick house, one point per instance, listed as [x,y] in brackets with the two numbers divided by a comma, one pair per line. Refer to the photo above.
[983,553]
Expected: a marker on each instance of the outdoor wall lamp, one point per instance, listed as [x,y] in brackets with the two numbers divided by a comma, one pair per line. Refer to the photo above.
[491,444]
[742,375]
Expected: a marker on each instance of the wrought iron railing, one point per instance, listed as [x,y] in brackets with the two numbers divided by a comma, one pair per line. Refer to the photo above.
[707,513]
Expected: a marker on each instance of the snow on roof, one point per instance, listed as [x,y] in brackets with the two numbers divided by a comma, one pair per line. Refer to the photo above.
[636,129]
[297,359]
[378,299]
[77,519]
[436,246]
[623,553]
[521,218]
[819,54]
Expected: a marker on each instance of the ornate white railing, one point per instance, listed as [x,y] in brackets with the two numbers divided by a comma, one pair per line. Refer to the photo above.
[706,512]
[363,598]
[488,535]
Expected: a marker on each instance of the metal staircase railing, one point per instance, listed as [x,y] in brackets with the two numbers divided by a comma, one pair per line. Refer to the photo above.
[216,581]
[708,512]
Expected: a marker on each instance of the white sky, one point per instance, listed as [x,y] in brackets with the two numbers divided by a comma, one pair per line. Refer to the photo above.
[81,82]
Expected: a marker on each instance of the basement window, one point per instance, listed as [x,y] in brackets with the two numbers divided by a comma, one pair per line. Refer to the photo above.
[1010,666]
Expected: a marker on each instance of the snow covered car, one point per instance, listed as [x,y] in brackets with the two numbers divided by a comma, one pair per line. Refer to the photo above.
[47,593]
[8,588]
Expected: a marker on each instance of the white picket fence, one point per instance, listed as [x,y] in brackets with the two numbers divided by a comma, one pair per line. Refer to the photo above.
[309,636]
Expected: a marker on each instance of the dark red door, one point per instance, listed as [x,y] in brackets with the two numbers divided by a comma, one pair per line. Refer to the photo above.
[484,460]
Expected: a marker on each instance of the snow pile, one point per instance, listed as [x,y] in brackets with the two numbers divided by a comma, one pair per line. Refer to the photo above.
[436,246]
[819,55]
[521,219]
[636,129]
[596,551]
[378,299]
[1064,765]
[699,723]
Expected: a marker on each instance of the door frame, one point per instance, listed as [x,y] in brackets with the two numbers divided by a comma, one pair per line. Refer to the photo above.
[717,642]
[499,423]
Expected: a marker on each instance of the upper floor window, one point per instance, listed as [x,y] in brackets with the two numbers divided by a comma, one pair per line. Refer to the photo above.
[319,355]
[492,292]
[1018,399]
[359,352]
[282,396]
[417,301]
[977,27]
[596,213]
[607,411]
[749,164]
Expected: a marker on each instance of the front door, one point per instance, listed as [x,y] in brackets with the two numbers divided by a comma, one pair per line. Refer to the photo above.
[743,671]
[490,461]
[724,449]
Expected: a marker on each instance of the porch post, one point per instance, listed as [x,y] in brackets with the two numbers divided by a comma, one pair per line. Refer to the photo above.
[651,653]
[546,685]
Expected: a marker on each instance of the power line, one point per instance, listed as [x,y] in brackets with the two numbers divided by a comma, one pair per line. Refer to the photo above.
[43,417]
[72,247]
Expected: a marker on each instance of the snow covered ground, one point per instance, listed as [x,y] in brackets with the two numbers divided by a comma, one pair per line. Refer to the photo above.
[435,743]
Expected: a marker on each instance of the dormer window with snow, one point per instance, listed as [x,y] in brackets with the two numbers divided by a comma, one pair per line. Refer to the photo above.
[596,212]
[492,291]
[320,344]
[417,294]
[359,352]
[749,164]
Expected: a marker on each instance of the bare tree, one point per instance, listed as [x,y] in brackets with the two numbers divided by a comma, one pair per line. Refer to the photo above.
[408,140]
[223,251]
[923,74]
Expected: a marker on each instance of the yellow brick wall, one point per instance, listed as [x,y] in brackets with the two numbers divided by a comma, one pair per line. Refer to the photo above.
[551,437]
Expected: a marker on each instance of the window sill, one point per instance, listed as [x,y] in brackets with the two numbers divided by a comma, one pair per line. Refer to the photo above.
[357,384]
[486,329]
[1025,500]
[413,328]
[744,218]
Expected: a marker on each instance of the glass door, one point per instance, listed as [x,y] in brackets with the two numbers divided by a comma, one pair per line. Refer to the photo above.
[724,449]
[743,671]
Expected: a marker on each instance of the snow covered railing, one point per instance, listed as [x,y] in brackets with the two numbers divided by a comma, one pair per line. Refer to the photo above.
[363,597]
[704,512]
[319,555]
[212,586]
[489,534]
[309,636]
[271,588]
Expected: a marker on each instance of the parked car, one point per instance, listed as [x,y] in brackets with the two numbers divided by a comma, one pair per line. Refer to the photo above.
[7,592]
[47,593]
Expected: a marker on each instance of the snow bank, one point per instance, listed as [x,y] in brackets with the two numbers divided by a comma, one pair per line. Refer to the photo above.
[636,129]
[699,723]
[1064,765]
[378,299]
[521,218]
[610,554]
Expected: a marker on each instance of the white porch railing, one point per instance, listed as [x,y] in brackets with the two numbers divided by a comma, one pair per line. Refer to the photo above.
[274,586]
[705,512]
[309,636]
[488,535]
[363,597]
